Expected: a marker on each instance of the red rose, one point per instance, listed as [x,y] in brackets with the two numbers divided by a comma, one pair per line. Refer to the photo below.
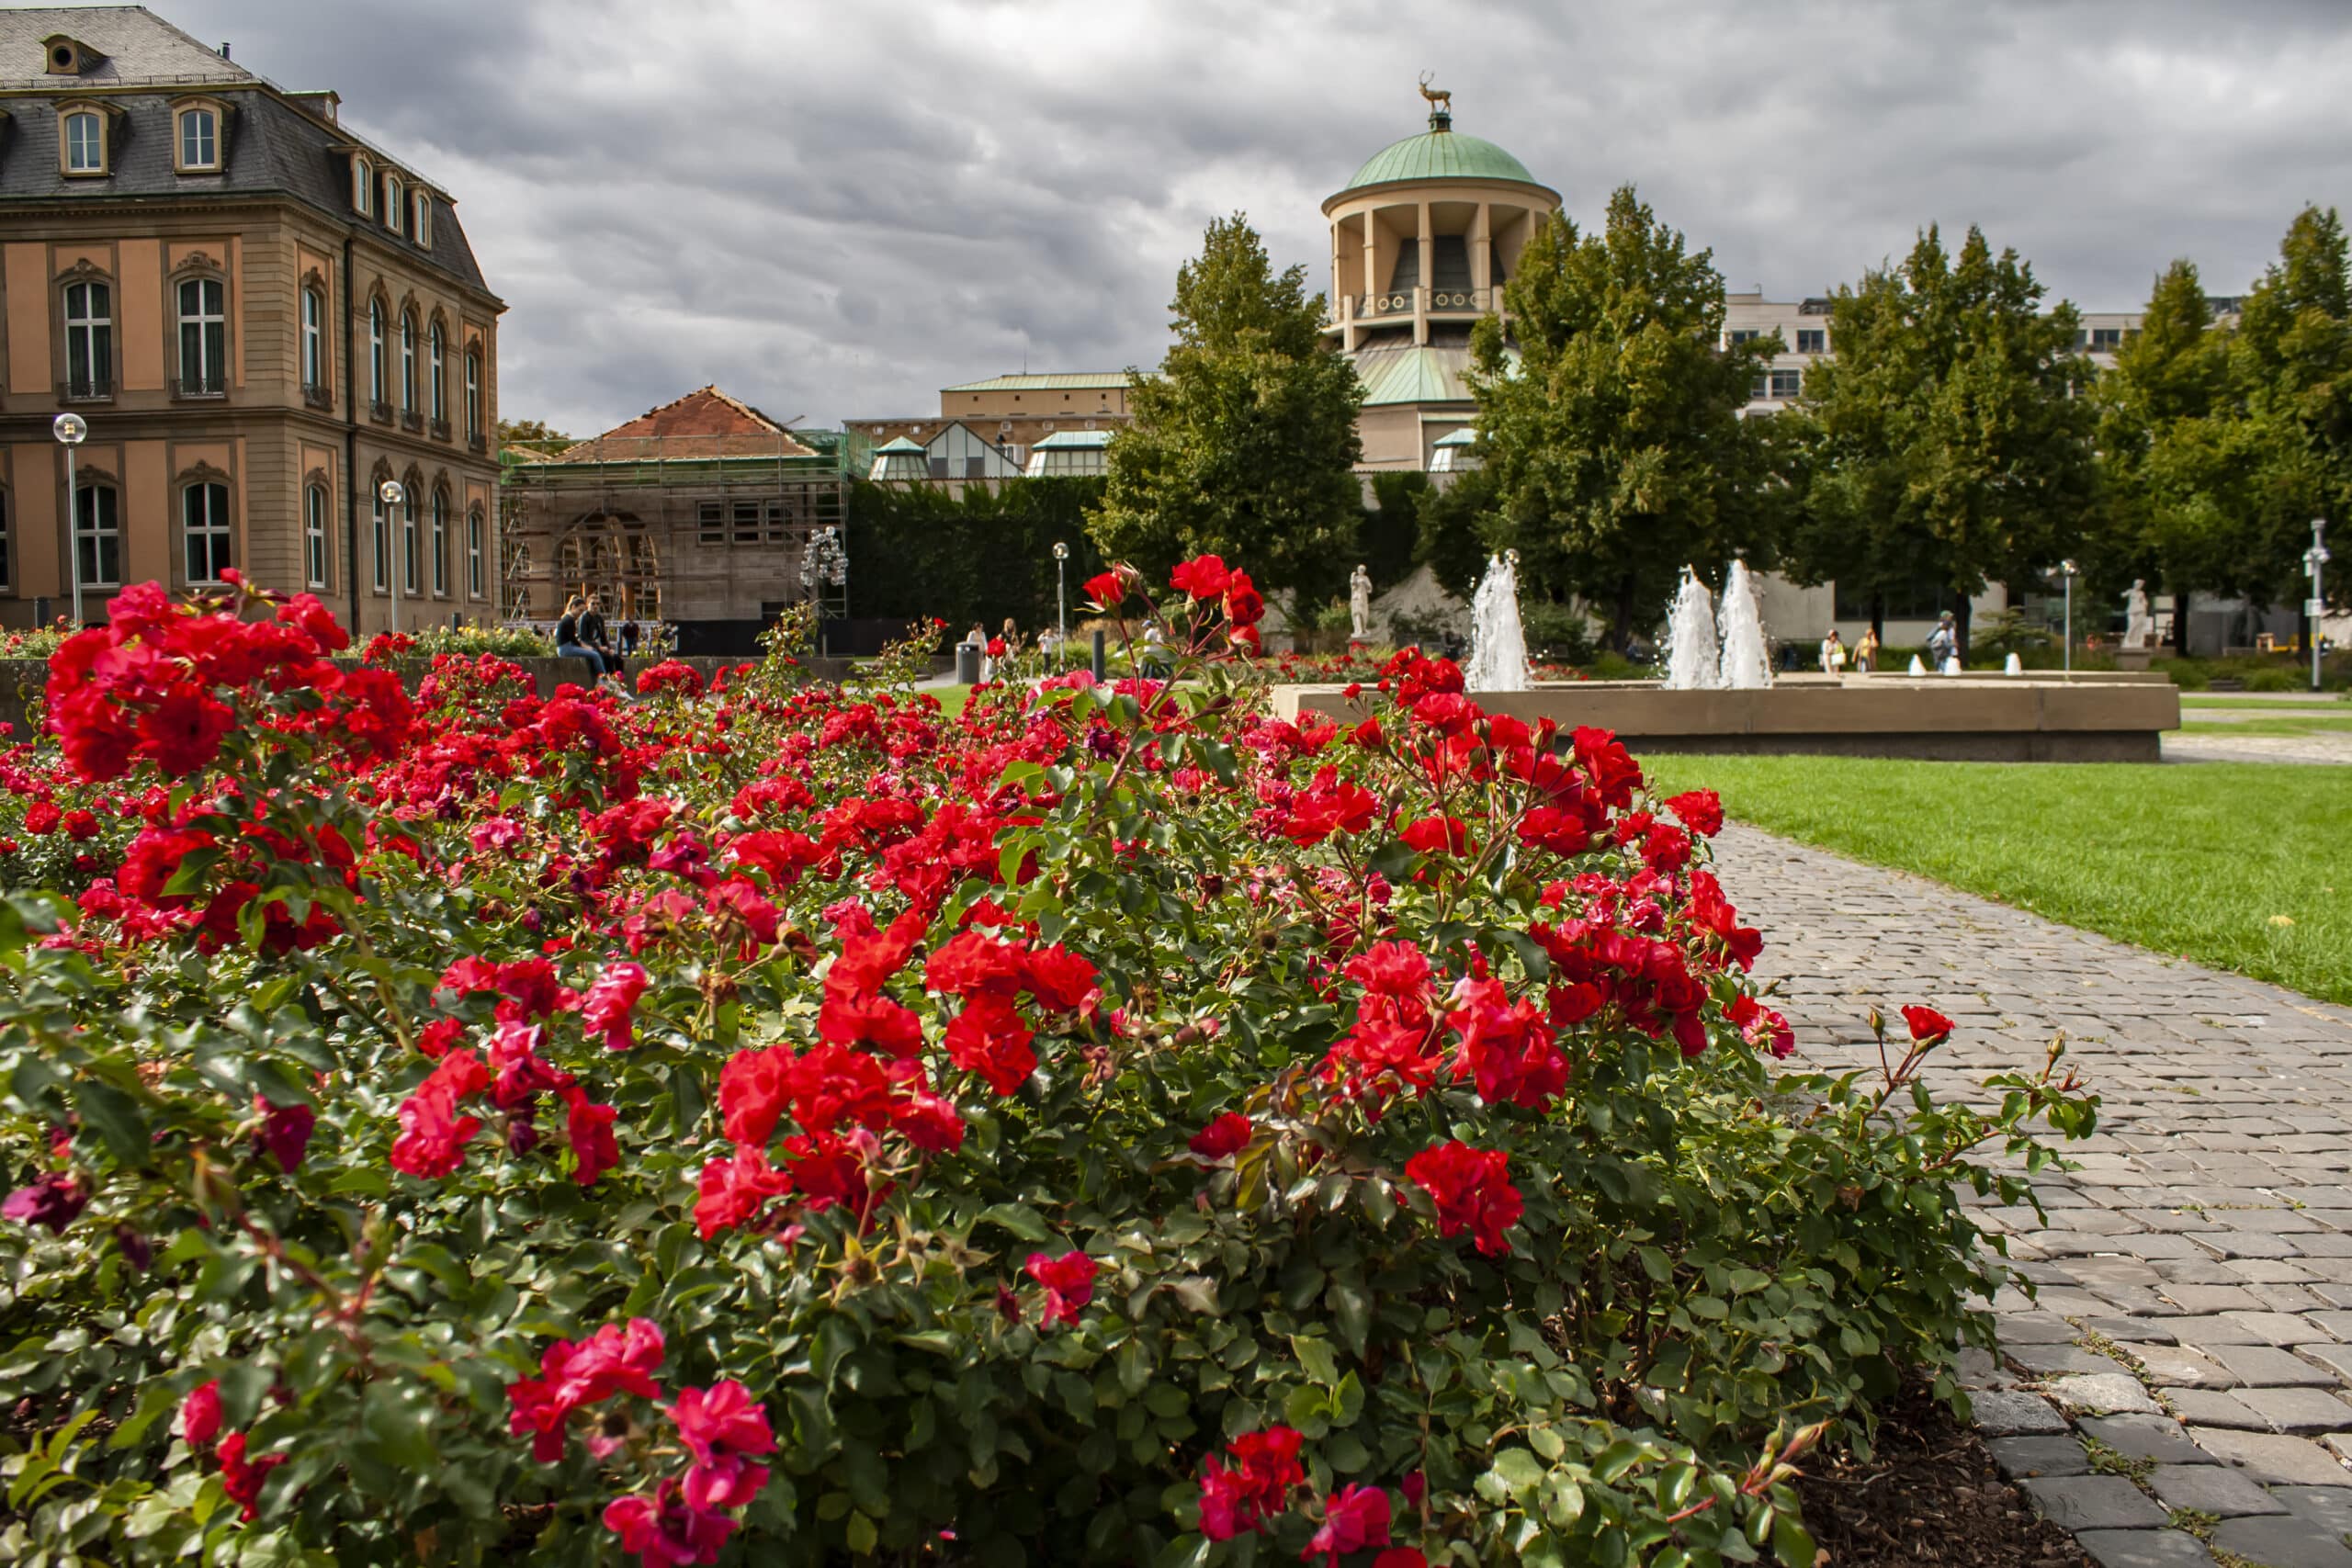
[1244,605]
[1109,590]
[200,1416]
[1472,1190]
[1227,1135]
[1702,811]
[1355,1518]
[988,1038]
[1068,1282]
[1203,577]
[1928,1026]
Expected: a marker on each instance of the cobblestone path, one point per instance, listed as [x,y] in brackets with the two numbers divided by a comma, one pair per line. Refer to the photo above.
[2194,1325]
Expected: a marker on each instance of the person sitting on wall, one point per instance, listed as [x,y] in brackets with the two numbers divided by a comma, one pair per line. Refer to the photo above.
[1833,654]
[592,633]
[567,638]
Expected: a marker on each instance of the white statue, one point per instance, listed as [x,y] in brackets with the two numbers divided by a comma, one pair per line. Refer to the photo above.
[2139,626]
[1360,603]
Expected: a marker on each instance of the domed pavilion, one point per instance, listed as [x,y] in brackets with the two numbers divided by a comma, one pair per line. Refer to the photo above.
[1422,239]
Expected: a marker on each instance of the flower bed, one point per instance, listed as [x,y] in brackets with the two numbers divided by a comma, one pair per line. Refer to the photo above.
[773,1123]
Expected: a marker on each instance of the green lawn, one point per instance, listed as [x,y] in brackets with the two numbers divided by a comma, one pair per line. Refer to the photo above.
[2307,702]
[2279,721]
[2199,860]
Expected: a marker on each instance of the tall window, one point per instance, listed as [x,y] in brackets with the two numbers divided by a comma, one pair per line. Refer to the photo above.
[376,391]
[204,531]
[204,336]
[199,142]
[392,202]
[314,535]
[408,362]
[440,376]
[441,544]
[382,540]
[314,339]
[420,225]
[363,186]
[89,340]
[408,540]
[474,552]
[473,395]
[97,535]
[85,143]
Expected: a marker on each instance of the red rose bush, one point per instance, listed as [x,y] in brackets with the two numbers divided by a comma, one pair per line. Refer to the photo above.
[782,1122]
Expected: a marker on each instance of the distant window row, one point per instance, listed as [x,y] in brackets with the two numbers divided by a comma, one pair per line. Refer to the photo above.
[203,367]
[743,521]
[385,196]
[419,554]
[1810,340]
[2104,340]
[1779,386]
[87,134]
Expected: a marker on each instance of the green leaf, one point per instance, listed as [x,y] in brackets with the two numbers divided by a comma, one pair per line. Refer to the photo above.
[117,1117]
[1519,1470]
[1315,1358]
[861,1534]
[1791,1544]
[1019,1218]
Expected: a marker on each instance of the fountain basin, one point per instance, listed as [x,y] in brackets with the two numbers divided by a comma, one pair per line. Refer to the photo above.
[2040,717]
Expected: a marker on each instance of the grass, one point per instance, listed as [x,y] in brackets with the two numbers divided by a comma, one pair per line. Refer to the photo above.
[2281,721]
[2324,701]
[2241,866]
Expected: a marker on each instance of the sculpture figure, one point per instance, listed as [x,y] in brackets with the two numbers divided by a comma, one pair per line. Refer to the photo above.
[2139,626]
[1436,96]
[1360,603]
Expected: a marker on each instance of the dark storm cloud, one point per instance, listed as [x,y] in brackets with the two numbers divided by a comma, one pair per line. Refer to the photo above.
[833,210]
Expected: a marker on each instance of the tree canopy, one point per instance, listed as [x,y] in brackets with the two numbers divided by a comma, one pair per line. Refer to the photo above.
[1608,417]
[1949,442]
[1245,443]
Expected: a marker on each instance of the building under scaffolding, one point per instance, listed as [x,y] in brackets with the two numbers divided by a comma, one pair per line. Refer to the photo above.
[699,515]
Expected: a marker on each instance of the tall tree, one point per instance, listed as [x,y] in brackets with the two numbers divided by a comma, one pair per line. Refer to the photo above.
[1608,417]
[1245,444]
[2293,355]
[1952,440]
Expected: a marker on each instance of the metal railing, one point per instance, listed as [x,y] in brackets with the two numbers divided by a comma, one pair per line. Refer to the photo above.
[85,390]
[203,384]
[381,412]
[318,396]
[440,428]
[412,421]
[476,441]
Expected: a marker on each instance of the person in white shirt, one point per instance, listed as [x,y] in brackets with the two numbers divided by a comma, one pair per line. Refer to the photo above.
[1833,654]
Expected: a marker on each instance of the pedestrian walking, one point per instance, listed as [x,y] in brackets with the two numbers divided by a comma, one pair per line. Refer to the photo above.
[1866,651]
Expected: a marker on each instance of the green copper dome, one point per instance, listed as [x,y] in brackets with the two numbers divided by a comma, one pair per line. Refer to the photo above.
[1440,155]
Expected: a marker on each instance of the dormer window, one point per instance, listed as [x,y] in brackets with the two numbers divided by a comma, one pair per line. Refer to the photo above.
[392,202]
[68,57]
[199,143]
[81,141]
[363,188]
[420,227]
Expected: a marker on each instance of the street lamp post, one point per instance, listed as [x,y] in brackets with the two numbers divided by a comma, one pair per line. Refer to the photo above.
[72,430]
[1061,599]
[392,493]
[2070,570]
[2315,560]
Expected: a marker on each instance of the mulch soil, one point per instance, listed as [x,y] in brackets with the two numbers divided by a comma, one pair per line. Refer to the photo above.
[1930,1494]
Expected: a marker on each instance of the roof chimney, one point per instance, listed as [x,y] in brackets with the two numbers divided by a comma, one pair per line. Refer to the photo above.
[224,50]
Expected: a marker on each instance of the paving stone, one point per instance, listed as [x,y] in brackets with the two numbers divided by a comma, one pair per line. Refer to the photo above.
[2033,1328]
[2157,1438]
[2136,1330]
[2337,1358]
[2004,1412]
[2101,1394]
[2273,1460]
[2331,1506]
[2266,1366]
[2039,1456]
[2144,1549]
[2212,1298]
[2179,1366]
[2094,1503]
[2283,1327]
[2282,1540]
[2052,1360]
[2310,1411]
[2203,1331]
[2210,1489]
[2211,1407]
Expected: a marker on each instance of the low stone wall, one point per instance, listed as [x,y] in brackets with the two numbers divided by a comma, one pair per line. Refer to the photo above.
[2113,718]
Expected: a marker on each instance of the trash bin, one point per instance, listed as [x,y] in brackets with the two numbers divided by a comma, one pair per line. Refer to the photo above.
[968,663]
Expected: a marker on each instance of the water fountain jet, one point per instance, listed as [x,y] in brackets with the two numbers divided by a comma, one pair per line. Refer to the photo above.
[1693,658]
[1498,643]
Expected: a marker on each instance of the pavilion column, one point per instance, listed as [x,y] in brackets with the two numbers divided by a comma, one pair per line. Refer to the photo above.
[1482,229]
[1373,281]
[1421,291]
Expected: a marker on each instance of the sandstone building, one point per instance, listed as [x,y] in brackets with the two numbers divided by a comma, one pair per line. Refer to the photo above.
[261,316]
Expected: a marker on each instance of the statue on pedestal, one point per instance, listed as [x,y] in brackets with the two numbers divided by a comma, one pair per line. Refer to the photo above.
[2139,626]
[1360,603]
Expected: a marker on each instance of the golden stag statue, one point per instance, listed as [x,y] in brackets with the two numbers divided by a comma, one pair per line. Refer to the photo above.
[1436,96]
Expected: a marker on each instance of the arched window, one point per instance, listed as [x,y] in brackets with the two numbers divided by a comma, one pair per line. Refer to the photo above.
[97,535]
[377,393]
[200,148]
[363,187]
[204,531]
[473,395]
[314,535]
[408,362]
[474,552]
[440,543]
[381,539]
[86,142]
[440,376]
[392,202]
[314,339]
[420,218]
[409,551]
[204,338]
[89,340]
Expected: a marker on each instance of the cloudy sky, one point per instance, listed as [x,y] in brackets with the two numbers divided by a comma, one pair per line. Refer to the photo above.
[833,210]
